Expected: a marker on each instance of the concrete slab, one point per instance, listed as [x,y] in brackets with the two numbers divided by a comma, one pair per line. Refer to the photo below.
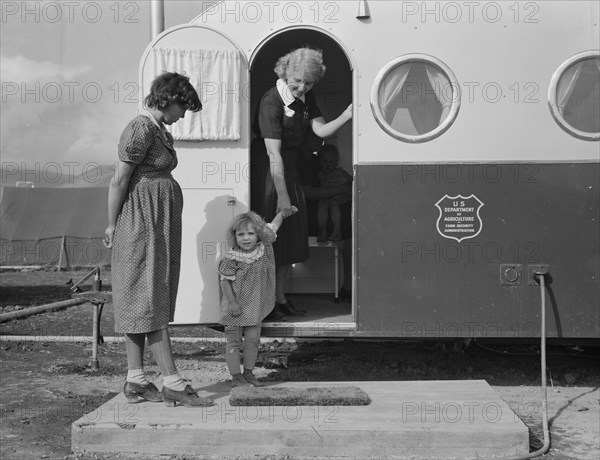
[426,419]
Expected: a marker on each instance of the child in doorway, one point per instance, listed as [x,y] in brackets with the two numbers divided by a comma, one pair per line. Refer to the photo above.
[247,289]
[331,175]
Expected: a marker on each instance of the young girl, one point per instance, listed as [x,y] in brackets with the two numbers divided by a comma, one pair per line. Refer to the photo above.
[247,289]
[331,175]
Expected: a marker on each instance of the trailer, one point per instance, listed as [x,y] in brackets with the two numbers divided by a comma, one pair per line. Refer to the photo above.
[473,146]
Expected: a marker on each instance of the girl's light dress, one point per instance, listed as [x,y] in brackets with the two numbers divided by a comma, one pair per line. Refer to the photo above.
[252,276]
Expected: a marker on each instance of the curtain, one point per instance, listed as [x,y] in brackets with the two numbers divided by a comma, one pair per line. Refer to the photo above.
[391,88]
[216,76]
[566,84]
[440,84]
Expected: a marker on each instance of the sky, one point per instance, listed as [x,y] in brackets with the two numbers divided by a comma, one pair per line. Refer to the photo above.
[69,73]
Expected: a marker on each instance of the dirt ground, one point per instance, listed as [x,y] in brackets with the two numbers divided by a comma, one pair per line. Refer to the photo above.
[45,386]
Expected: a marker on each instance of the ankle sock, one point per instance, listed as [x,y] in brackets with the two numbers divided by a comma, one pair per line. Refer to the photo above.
[137,376]
[174,382]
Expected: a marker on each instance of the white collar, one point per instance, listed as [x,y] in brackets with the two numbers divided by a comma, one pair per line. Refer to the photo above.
[247,257]
[146,113]
[286,94]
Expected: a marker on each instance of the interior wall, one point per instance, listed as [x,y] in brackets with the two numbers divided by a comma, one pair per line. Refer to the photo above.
[333,92]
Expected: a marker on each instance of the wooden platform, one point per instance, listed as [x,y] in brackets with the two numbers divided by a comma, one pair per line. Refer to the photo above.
[419,419]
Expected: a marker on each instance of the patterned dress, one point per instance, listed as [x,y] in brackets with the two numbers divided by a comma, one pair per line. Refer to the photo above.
[146,252]
[288,121]
[252,277]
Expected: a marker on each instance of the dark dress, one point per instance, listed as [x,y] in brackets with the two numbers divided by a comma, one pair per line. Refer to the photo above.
[146,255]
[273,122]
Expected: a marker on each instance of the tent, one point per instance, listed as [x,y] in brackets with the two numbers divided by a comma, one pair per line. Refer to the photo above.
[63,227]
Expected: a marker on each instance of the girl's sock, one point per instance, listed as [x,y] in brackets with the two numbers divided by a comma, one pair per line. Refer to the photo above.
[137,376]
[174,382]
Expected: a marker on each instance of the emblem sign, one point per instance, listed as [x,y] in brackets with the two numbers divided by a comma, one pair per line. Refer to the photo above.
[459,217]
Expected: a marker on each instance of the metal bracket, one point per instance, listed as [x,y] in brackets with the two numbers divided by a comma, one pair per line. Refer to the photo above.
[535,269]
[511,274]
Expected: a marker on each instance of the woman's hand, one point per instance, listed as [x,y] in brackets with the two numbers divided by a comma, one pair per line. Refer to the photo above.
[348,112]
[284,206]
[108,236]
[234,309]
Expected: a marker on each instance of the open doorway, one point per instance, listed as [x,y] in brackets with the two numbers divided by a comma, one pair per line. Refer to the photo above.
[313,285]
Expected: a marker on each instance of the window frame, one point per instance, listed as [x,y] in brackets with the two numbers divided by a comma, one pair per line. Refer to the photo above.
[552,102]
[454,107]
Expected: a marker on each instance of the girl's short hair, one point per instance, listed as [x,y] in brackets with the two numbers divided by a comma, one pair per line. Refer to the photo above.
[242,220]
[173,88]
[309,59]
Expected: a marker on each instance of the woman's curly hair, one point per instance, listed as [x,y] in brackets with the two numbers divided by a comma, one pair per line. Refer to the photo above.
[173,88]
[309,59]
[241,221]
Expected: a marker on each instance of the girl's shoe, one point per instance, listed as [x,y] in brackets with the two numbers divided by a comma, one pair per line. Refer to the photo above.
[149,392]
[239,381]
[251,379]
[187,397]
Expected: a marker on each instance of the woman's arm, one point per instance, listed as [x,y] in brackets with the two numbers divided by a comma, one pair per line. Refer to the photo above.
[324,130]
[276,167]
[116,194]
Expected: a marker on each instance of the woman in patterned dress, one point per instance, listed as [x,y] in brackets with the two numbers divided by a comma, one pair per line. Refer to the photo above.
[284,116]
[144,231]
[247,289]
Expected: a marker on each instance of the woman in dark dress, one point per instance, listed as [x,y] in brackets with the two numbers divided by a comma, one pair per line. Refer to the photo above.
[284,116]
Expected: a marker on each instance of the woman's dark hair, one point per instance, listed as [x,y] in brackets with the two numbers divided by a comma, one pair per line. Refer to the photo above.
[173,88]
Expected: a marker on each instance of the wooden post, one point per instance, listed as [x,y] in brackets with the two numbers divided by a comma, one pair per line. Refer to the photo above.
[63,251]
[94,361]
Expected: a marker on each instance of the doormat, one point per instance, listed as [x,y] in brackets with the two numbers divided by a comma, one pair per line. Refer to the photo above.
[293,396]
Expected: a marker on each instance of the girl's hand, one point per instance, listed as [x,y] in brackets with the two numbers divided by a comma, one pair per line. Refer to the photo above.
[284,206]
[108,236]
[294,210]
[234,309]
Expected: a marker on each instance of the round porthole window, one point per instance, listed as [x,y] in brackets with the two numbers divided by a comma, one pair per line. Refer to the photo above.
[415,98]
[574,96]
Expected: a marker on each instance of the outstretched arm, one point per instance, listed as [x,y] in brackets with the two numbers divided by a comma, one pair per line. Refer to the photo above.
[324,129]
[278,219]
[273,147]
